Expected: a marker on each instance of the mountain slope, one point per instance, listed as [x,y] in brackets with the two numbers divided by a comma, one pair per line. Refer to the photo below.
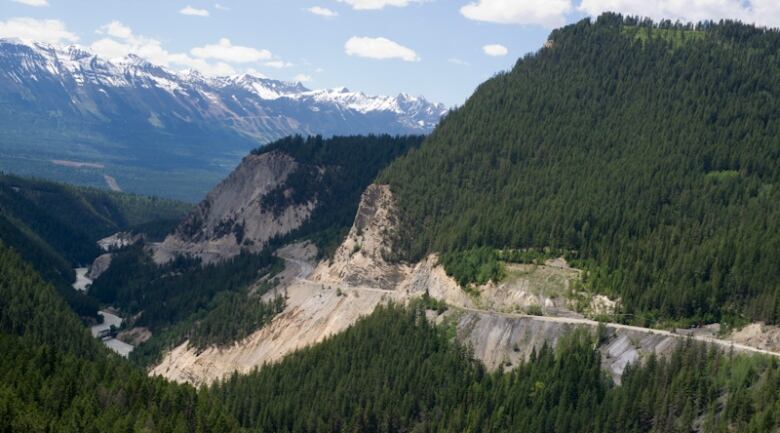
[293,187]
[55,377]
[647,153]
[56,227]
[160,132]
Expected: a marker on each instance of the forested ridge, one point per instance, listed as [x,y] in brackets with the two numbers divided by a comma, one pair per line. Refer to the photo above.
[54,227]
[647,152]
[54,377]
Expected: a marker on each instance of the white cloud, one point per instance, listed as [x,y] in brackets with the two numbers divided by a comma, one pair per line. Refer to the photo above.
[762,12]
[225,51]
[213,59]
[378,4]
[302,78]
[547,13]
[321,11]
[35,3]
[278,64]
[379,48]
[221,7]
[255,72]
[115,29]
[121,41]
[456,61]
[189,10]
[51,31]
[495,50]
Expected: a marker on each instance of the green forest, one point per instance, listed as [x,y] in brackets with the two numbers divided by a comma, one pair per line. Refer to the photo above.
[390,372]
[394,372]
[54,227]
[54,377]
[648,152]
[211,304]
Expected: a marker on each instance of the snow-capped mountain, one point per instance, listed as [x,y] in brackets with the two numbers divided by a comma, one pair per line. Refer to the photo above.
[68,103]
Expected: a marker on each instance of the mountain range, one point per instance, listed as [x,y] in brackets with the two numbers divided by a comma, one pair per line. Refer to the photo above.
[72,115]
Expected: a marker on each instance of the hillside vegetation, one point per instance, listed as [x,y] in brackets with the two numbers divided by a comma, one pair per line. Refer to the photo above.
[649,153]
[184,299]
[54,377]
[54,227]
[394,372]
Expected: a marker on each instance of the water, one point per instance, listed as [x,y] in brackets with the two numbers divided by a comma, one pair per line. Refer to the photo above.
[117,346]
[82,282]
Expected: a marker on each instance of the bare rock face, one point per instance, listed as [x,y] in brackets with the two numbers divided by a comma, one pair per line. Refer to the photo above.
[99,265]
[232,216]
[759,335]
[360,260]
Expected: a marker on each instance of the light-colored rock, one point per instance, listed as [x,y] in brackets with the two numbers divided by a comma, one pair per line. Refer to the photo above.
[601,305]
[99,265]
[313,312]
[759,335]
[358,279]
[232,218]
[360,260]
[119,240]
[504,341]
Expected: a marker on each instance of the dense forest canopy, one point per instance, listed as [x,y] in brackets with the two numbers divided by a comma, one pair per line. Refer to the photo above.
[54,377]
[212,304]
[649,152]
[55,227]
[394,372]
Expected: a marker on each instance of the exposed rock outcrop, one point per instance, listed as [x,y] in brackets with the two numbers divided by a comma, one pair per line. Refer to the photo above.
[99,265]
[759,335]
[232,216]
[119,240]
[360,260]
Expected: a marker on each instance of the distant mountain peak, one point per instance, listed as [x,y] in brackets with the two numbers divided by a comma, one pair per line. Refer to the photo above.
[139,113]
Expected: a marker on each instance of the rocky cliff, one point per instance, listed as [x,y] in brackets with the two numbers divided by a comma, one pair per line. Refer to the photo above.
[232,216]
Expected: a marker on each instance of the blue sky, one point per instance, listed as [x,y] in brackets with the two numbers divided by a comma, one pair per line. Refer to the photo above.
[441,49]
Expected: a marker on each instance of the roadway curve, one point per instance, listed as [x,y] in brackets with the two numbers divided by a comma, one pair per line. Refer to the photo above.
[305,269]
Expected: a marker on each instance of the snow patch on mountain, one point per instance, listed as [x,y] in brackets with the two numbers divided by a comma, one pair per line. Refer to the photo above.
[77,65]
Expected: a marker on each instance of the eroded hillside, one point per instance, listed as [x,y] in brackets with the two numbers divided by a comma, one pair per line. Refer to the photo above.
[326,298]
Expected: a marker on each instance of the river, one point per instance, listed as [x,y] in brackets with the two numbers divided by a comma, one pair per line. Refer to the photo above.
[82,284]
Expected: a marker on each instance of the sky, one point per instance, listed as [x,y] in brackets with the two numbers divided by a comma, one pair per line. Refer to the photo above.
[440,49]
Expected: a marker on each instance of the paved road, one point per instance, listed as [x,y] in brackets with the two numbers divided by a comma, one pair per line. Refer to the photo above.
[305,269]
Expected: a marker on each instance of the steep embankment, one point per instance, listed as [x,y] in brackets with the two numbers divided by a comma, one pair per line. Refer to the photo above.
[326,300]
[232,217]
[314,309]
[291,188]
